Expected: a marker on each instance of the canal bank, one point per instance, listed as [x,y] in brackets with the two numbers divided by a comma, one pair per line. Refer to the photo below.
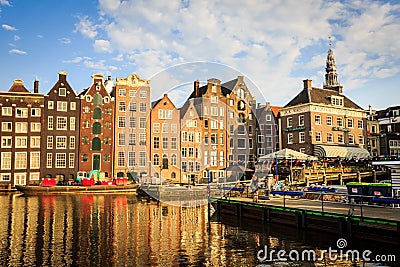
[374,223]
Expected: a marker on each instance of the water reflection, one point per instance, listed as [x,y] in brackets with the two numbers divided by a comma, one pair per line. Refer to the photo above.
[116,230]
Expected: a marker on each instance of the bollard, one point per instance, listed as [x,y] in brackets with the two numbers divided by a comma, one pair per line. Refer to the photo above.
[374,175]
[340,179]
[359,176]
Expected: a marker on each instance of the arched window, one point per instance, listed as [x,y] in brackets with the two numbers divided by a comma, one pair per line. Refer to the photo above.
[97,113]
[96,128]
[96,144]
[86,140]
[173,175]
[156,160]
[97,99]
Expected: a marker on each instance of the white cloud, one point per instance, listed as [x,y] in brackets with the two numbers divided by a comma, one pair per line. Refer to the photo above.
[40,36]
[17,51]
[64,40]
[102,46]
[86,27]
[5,3]
[16,38]
[275,43]
[8,27]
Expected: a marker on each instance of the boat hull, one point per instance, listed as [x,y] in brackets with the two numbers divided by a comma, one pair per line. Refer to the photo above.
[95,189]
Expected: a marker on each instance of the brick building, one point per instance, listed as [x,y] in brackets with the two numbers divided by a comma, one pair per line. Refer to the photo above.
[21,124]
[96,128]
[60,135]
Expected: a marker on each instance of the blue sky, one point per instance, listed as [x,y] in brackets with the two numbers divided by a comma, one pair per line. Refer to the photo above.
[275,44]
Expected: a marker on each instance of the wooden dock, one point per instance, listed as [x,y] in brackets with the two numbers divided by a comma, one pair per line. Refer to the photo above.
[359,221]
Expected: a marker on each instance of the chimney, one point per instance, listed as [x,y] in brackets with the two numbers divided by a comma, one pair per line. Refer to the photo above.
[196,88]
[307,84]
[62,75]
[109,78]
[36,86]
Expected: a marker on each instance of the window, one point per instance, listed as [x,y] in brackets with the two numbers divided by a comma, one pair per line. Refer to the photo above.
[340,139]
[35,160]
[96,128]
[121,122]
[21,113]
[35,127]
[268,117]
[131,158]
[61,142]
[142,139]
[329,137]
[85,157]
[143,94]
[132,106]
[86,124]
[213,158]
[72,142]
[72,106]
[49,160]
[231,102]
[121,159]
[261,139]
[241,143]
[289,122]
[6,160]
[142,159]
[62,91]
[373,128]
[132,93]
[61,160]
[35,142]
[71,160]
[108,111]
[361,139]
[49,142]
[122,92]
[221,138]
[5,177]
[350,123]
[165,127]
[62,106]
[301,120]
[96,144]
[337,101]
[20,142]
[156,160]
[62,123]
[97,99]
[132,122]
[107,140]
[122,106]
[132,139]
[221,111]
[329,120]
[50,105]
[35,112]
[121,139]
[173,159]
[20,160]
[97,114]
[214,99]
[268,129]
[174,128]
[317,119]
[214,124]
[143,107]
[184,152]
[85,140]
[6,126]
[360,124]
[156,142]
[165,114]
[214,138]
[86,109]
[290,138]
[268,141]
[142,122]
[156,127]
[339,122]
[302,137]
[6,111]
[351,139]
[6,142]
[72,123]
[165,143]
[174,143]
[21,127]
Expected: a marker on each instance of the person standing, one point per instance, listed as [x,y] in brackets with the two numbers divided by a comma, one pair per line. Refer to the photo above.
[254,188]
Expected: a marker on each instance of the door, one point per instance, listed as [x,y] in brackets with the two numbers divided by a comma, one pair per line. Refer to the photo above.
[96,162]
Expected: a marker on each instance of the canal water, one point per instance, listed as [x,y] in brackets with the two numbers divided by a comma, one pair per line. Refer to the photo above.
[124,230]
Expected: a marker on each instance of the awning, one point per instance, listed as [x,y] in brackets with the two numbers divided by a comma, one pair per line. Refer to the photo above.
[340,151]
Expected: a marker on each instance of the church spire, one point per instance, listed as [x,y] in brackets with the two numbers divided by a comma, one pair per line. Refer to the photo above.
[331,79]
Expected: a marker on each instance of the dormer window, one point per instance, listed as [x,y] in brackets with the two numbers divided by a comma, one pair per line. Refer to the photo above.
[337,101]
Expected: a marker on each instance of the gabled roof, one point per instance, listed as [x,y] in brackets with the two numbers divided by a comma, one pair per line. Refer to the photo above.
[321,96]
[18,87]
[275,110]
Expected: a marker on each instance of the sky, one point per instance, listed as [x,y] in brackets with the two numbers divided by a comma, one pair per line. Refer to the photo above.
[275,44]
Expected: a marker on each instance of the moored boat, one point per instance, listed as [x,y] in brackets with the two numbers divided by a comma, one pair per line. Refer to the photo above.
[77,189]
